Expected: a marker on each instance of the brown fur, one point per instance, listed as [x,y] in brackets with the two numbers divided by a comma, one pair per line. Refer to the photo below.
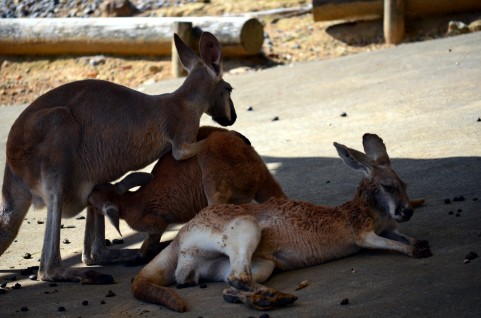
[226,170]
[91,132]
[243,244]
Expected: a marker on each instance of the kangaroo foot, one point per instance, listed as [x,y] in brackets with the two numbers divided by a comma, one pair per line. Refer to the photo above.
[264,299]
[86,277]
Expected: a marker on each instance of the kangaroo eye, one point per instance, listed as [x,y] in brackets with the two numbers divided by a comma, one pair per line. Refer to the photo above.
[389,188]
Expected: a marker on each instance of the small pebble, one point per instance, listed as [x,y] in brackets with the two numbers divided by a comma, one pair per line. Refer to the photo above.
[32,277]
[61,308]
[17,286]
[466,261]
[343,114]
[85,302]
[345,301]
[451,212]
[66,241]
[110,293]
[447,201]
[479,119]
[459,210]
[250,108]
[276,118]
[27,256]
[40,222]
[24,309]
[81,217]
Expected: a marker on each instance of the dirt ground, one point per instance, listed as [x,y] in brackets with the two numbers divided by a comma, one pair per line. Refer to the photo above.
[288,40]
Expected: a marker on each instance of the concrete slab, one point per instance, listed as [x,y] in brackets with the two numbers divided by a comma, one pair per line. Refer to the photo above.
[423,99]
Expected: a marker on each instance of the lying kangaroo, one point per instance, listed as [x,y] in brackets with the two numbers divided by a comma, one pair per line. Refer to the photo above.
[242,245]
[226,170]
[92,132]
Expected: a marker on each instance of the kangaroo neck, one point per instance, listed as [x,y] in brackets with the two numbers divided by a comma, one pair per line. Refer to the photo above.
[197,87]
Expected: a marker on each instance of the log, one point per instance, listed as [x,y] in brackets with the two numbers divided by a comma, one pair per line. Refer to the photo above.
[327,10]
[394,28]
[239,36]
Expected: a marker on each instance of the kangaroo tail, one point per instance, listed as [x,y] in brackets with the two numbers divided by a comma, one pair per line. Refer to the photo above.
[150,283]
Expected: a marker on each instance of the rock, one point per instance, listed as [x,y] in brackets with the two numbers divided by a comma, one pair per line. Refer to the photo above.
[118,8]
[457,27]
[475,26]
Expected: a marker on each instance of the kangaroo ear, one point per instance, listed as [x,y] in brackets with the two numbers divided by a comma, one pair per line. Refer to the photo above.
[354,159]
[210,52]
[187,56]
[375,148]
[112,213]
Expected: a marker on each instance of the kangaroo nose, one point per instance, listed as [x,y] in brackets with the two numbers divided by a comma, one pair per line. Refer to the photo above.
[408,213]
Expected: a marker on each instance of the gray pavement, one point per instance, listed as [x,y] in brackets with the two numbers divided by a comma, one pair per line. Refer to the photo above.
[423,99]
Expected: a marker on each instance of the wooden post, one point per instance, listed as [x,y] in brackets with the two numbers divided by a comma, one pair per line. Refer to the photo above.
[394,21]
[184,31]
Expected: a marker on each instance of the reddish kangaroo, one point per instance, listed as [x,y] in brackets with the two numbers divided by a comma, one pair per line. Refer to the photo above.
[92,132]
[226,170]
[242,245]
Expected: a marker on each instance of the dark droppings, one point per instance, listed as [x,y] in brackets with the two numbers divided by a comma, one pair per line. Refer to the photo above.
[61,308]
[345,301]
[447,201]
[27,256]
[471,256]
[110,293]
[24,308]
[459,198]
[17,286]
[85,302]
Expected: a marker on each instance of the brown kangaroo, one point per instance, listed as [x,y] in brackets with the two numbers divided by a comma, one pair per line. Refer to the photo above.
[242,245]
[226,170]
[92,132]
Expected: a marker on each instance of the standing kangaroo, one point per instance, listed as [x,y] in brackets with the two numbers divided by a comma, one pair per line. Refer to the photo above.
[92,132]
[242,245]
[226,170]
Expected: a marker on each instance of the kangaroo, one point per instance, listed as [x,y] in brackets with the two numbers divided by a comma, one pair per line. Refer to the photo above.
[92,132]
[226,170]
[243,244]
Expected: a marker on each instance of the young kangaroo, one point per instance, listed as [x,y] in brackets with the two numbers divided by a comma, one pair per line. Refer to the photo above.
[92,132]
[226,170]
[242,245]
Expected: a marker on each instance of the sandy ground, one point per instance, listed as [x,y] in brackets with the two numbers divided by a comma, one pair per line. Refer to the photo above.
[423,99]
[290,40]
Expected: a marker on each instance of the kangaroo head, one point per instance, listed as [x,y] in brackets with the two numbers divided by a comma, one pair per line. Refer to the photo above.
[105,197]
[382,187]
[209,70]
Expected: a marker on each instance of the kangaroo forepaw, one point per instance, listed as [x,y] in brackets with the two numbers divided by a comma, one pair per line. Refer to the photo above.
[267,299]
[421,244]
[422,252]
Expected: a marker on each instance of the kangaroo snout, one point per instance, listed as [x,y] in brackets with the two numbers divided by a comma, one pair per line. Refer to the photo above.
[404,214]
[227,119]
